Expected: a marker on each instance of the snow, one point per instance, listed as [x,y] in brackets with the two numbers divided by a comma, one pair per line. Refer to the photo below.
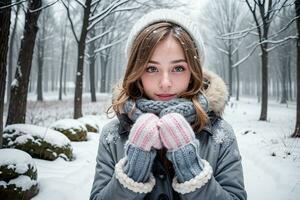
[266,176]
[15,83]
[17,160]
[271,159]
[70,124]
[20,162]
[27,131]
[23,182]
[90,120]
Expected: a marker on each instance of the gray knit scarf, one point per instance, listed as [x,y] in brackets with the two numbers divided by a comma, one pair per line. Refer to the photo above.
[182,106]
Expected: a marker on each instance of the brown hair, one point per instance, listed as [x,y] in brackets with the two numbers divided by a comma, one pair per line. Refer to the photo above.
[140,54]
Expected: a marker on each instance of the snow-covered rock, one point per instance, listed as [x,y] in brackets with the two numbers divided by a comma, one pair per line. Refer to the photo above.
[73,129]
[90,122]
[39,142]
[18,175]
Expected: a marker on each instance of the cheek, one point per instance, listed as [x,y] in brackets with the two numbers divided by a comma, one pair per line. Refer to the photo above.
[147,81]
[182,82]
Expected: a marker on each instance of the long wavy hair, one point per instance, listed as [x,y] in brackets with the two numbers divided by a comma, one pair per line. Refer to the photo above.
[140,54]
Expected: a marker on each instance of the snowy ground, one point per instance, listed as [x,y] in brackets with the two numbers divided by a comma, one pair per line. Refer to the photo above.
[271,159]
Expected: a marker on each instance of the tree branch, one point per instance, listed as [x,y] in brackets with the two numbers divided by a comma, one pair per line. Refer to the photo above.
[13,4]
[80,3]
[71,22]
[99,36]
[109,45]
[46,6]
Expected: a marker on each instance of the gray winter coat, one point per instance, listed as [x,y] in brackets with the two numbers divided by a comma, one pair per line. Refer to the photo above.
[218,146]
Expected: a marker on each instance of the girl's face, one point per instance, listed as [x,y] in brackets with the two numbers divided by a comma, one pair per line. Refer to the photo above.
[167,74]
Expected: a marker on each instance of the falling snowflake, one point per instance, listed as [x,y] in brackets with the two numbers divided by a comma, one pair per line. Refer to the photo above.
[220,136]
[110,138]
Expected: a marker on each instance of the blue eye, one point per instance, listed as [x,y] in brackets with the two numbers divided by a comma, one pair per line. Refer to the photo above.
[178,69]
[151,69]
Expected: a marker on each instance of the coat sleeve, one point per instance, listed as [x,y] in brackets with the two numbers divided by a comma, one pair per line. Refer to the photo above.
[106,185]
[227,182]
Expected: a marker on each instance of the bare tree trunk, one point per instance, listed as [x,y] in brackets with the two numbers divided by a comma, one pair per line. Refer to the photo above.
[237,78]
[264,81]
[103,74]
[4,38]
[18,100]
[10,55]
[289,79]
[40,53]
[297,126]
[283,96]
[92,60]
[63,46]
[80,62]
[40,71]
[52,77]
[65,69]
[230,68]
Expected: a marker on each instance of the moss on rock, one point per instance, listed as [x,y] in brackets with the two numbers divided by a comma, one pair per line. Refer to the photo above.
[18,177]
[73,129]
[24,137]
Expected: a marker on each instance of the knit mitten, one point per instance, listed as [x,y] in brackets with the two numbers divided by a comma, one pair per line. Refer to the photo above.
[179,138]
[175,131]
[139,153]
[144,134]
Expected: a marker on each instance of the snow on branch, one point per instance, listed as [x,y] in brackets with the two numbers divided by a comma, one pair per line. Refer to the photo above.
[242,33]
[95,2]
[281,42]
[216,47]
[80,3]
[109,45]
[104,13]
[284,28]
[239,36]
[13,4]
[127,8]
[107,9]
[223,50]
[99,36]
[43,7]
[245,58]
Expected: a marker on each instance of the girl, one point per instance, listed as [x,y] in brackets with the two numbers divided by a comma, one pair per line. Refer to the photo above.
[169,140]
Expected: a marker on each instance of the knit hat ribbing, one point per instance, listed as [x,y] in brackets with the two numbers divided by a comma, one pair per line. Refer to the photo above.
[167,15]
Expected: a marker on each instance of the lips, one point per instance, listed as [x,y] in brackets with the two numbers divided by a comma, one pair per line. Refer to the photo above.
[165,97]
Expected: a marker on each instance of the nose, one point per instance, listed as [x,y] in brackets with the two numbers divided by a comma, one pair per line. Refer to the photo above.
[165,81]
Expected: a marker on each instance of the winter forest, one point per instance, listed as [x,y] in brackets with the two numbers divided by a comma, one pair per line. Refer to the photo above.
[60,61]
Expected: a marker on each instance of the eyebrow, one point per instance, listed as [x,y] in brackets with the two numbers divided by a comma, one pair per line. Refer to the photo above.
[173,62]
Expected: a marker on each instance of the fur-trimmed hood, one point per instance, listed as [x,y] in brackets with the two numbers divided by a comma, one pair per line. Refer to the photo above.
[215,91]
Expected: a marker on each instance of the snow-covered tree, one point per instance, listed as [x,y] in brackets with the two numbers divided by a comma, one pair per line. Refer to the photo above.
[263,13]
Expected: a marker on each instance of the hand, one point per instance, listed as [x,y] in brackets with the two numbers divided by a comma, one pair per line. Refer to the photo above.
[144,133]
[175,131]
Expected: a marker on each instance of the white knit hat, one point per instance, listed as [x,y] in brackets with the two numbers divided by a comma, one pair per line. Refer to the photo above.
[167,15]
